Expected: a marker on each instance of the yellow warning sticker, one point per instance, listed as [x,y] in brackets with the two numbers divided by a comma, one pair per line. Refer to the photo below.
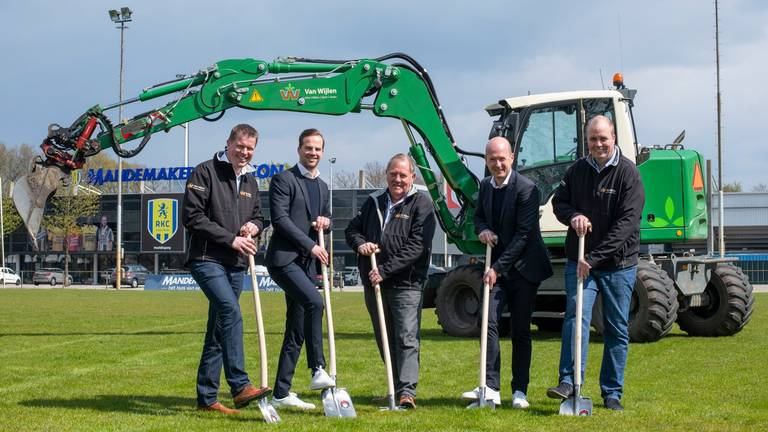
[256,96]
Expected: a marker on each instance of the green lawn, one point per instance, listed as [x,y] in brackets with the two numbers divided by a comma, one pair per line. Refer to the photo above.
[105,360]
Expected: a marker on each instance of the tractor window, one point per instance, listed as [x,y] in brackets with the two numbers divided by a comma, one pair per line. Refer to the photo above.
[549,144]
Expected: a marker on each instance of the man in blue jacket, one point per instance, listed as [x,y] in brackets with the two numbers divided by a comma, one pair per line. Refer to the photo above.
[298,197]
[222,211]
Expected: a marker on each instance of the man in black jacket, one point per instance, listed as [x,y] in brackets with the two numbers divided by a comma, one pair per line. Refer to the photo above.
[222,211]
[400,221]
[507,218]
[601,194]
[298,197]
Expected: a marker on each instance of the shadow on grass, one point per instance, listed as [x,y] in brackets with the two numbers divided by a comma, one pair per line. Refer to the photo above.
[148,405]
[443,402]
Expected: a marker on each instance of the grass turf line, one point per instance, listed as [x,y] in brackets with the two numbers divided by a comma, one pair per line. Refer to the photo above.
[105,360]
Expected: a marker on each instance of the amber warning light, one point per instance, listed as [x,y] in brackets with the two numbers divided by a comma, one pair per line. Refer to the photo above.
[618,80]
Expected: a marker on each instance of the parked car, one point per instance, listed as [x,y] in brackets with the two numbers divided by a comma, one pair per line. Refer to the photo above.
[351,276]
[9,277]
[132,274]
[50,275]
[338,280]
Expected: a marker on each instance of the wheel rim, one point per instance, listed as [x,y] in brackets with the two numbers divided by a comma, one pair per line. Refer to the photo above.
[467,304]
[711,309]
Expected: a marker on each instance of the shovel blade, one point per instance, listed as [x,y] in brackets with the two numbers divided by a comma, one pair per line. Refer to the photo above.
[338,403]
[573,406]
[268,411]
[32,190]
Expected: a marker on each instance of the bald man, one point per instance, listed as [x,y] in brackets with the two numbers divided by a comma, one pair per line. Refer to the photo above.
[602,194]
[507,218]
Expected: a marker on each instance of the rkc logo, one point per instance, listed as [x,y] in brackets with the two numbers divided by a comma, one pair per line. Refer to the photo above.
[289,93]
[162,216]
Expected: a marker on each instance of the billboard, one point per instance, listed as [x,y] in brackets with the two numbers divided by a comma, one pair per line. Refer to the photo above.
[161,227]
[185,282]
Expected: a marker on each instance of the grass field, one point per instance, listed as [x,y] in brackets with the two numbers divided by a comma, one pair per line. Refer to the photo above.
[105,360]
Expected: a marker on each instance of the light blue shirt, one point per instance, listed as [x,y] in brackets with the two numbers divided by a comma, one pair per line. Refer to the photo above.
[613,160]
[305,172]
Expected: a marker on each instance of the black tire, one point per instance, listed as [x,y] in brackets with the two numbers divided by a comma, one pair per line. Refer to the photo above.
[730,307]
[653,309]
[458,301]
[53,282]
[134,283]
[18,282]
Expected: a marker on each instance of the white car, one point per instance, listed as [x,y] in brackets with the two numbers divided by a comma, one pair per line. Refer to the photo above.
[9,277]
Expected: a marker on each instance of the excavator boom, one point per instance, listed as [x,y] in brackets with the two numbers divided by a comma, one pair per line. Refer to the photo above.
[400,90]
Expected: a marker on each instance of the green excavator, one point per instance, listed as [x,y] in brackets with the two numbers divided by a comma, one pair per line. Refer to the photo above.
[706,295]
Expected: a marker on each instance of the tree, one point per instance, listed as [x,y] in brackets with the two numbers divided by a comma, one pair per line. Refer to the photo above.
[64,212]
[345,180]
[732,187]
[11,218]
[760,187]
[375,174]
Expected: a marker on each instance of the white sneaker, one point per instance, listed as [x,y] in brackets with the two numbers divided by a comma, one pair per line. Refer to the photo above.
[292,401]
[321,380]
[519,401]
[490,394]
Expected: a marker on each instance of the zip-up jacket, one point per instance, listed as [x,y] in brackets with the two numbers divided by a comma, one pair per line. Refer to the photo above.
[405,242]
[613,202]
[214,211]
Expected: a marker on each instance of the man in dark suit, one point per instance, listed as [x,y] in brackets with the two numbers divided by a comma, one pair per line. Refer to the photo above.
[298,197]
[507,218]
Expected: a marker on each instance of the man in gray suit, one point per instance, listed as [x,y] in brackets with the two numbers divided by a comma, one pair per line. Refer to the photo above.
[298,197]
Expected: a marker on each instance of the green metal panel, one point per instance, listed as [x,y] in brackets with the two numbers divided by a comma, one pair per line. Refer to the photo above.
[673,211]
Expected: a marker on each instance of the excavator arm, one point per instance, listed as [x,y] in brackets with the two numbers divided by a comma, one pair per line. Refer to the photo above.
[401,90]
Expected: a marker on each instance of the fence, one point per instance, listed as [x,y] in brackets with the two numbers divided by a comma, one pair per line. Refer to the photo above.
[754,266]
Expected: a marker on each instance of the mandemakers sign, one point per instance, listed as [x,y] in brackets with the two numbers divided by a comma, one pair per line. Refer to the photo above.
[185,282]
[161,221]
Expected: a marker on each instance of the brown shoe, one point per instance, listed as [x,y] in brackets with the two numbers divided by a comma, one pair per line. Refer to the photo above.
[250,393]
[407,402]
[217,406]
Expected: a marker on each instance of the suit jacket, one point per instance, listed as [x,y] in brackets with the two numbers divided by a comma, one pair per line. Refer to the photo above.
[293,234]
[520,236]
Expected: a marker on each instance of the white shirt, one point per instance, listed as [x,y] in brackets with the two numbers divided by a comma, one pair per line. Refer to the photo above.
[222,156]
[305,172]
[504,183]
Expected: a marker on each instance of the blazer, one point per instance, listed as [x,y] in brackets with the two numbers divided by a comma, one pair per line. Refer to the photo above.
[291,218]
[520,236]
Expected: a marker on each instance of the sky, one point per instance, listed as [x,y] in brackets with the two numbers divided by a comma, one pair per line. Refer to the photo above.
[61,58]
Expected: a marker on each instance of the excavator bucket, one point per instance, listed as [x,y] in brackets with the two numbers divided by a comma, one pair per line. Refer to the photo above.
[31,192]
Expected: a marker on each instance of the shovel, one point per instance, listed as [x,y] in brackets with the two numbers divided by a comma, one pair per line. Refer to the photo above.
[482,400]
[267,410]
[336,401]
[384,343]
[577,405]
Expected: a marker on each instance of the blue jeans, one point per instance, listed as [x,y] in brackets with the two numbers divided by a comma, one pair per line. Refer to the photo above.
[224,333]
[615,287]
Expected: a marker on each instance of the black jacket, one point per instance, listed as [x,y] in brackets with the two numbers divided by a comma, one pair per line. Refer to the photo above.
[214,211]
[520,239]
[405,243]
[613,202]
[293,235]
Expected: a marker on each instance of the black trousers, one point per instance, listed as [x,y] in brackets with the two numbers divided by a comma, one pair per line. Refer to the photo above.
[520,294]
[303,318]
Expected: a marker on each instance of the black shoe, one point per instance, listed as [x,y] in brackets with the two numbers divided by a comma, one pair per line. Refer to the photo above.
[613,404]
[562,391]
